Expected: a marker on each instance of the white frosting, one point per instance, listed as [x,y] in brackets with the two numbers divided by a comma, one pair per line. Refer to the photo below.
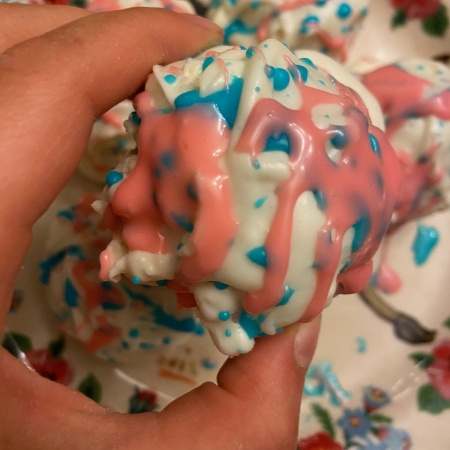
[108,143]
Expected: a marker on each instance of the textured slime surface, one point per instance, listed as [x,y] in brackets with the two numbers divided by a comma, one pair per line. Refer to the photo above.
[115,321]
[328,26]
[262,185]
[415,98]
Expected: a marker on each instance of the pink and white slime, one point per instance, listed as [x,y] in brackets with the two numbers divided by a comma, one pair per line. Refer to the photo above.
[262,186]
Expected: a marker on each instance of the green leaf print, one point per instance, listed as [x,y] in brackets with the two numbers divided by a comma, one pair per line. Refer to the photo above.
[324,417]
[379,418]
[422,359]
[399,18]
[16,341]
[57,347]
[91,388]
[437,24]
[430,400]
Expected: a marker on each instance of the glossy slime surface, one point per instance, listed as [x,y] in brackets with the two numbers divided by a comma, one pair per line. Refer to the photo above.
[262,185]
[328,26]
[414,95]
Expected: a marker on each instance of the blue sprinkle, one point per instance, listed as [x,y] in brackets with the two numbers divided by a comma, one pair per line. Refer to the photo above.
[228,63]
[266,45]
[179,245]
[308,62]
[425,241]
[250,52]
[224,316]
[113,177]
[321,2]
[344,11]
[362,344]
[133,333]
[256,164]
[279,143]
[166,340]
[168,160]
[135,280]
[156,172]
[209,364]
[260,202]
[374,144]
[220,286]
[257,88]
[322,82]
[255,5]
[125,345]
[106,285]
[183,222]
[249,325]
[364,12]
[307,22]
[340,138]
[192,192]
[238,27]
[69,213]
[133,117]
[207,62]
[112,306]
[226,101]
[170,79]
[362,228]
[161,282]
[258,255]
[281,79]
[227,332]
[288,291]
[146,346]
[320,199]
[70,294]
[242,47]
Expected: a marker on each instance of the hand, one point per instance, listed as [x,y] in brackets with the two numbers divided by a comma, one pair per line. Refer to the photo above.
[62,68]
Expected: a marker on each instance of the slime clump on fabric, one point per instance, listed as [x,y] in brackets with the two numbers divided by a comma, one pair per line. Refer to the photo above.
[261,188]
[414,95]
[328,26]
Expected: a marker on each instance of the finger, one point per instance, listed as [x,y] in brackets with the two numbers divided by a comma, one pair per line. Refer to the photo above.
[51,89]
[21,22]
[255,406]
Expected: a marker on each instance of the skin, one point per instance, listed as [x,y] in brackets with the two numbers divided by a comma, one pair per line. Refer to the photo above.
[61,67]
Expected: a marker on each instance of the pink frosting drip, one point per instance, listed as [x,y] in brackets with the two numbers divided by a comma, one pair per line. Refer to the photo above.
[193,141]
[345,186]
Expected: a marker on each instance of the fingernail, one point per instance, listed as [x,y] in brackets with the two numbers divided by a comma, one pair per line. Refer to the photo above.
[305,343]
[202,22]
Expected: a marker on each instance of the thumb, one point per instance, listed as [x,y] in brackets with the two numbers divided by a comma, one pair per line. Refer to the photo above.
[254,406]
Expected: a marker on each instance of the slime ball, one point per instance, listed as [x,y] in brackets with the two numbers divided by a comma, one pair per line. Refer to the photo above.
[262,185]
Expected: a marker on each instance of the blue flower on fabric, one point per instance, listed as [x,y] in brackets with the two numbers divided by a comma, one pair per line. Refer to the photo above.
[370,445]
[374,398]
[396,439]
[354,422]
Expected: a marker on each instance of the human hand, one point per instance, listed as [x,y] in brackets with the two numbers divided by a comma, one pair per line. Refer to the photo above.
[52,86]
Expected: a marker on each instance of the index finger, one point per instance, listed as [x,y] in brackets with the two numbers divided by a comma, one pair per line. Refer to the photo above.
[52,89]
